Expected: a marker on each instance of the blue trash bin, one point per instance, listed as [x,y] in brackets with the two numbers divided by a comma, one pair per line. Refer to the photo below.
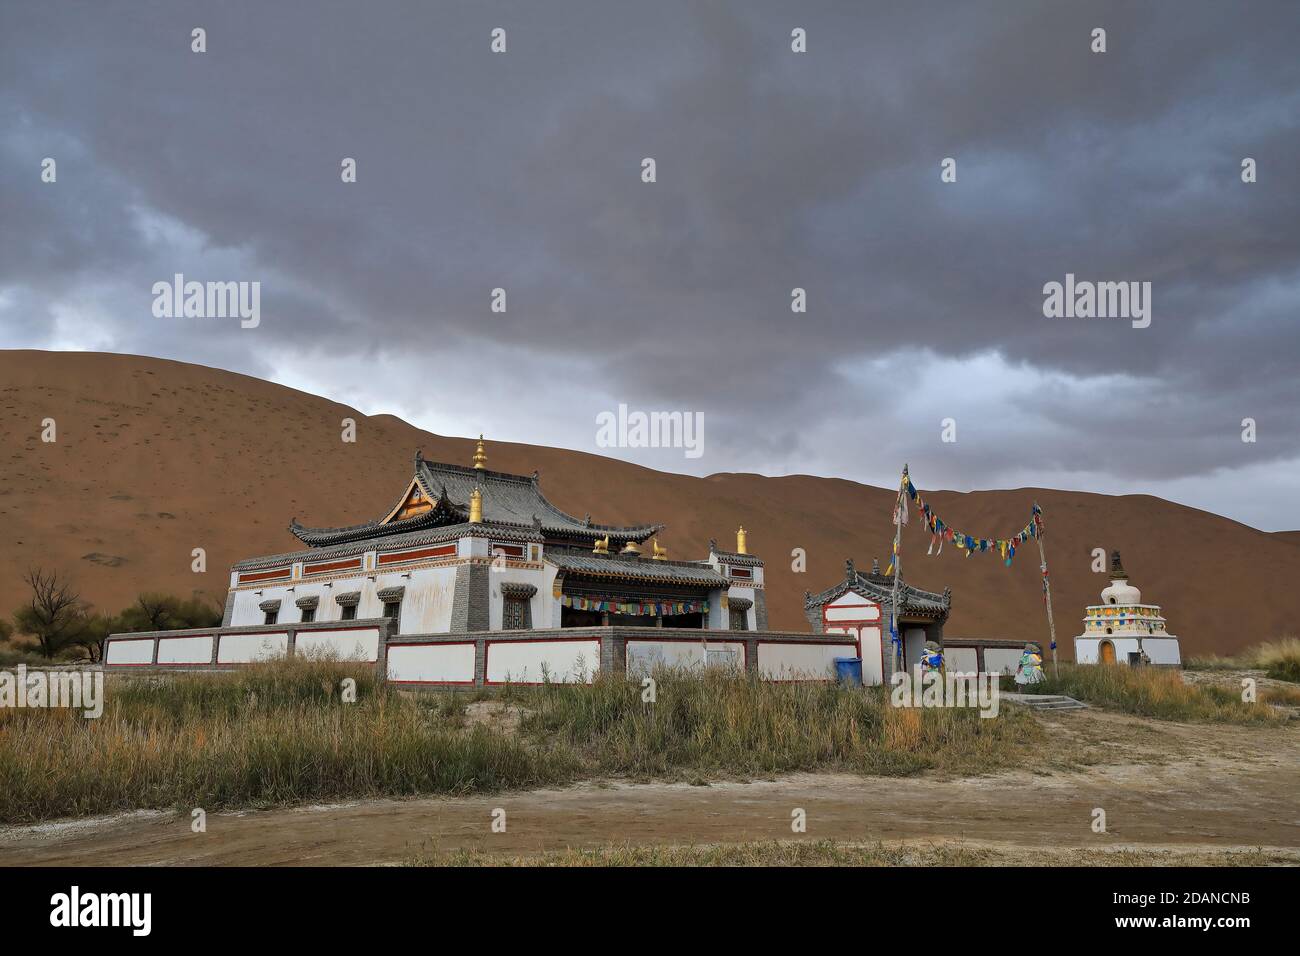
[848,670]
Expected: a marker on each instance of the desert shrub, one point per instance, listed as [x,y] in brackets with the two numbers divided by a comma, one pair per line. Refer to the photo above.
[1280,659]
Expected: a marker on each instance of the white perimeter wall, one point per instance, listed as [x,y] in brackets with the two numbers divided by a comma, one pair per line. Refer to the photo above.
[1001,660]
[246,648]
[130,651]
[185,650]
[361,644]
[431,663]
[644,656]
[964,659]
[524,662]
[801,661]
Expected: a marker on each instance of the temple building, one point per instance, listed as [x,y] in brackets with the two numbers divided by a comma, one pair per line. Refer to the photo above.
[469,549]
[1121,629]
[473,577]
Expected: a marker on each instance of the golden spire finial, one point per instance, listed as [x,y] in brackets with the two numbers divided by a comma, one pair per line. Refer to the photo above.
[476,507]
[480,456]
[742,546]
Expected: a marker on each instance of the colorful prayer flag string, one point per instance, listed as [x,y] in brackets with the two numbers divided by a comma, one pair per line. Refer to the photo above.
[941,531]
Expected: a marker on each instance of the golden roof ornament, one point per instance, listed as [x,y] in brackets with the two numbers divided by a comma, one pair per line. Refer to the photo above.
[660,554]
[476,507]
[742,543]
[631,548]
[480,456]
[602,546]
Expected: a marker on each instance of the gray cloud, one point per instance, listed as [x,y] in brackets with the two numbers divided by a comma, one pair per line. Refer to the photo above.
[775,170]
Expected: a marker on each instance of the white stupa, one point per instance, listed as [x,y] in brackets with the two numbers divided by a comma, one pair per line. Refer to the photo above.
[1121,628]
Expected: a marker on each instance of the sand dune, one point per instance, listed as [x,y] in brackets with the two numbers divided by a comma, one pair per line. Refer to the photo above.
[155,458]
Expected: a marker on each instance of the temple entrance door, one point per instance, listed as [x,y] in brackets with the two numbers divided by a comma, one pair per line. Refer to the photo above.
[1107,652]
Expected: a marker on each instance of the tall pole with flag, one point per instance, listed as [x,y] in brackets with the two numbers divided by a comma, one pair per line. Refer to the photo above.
[1047,584]
[900,519]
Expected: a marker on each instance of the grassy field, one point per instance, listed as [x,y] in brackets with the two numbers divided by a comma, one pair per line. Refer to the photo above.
[280,733]
[1153,692]
[830,853]
[1278,659]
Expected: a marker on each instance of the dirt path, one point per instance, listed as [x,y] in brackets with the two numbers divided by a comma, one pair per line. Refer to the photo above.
[1171,785]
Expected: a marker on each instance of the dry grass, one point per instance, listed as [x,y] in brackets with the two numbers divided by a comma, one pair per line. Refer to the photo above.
[831,853]
[280,733]
[270,734]
[733,723]
[1155,692]
[1278,659]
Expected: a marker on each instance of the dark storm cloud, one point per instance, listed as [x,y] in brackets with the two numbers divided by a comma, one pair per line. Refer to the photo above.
[775,170]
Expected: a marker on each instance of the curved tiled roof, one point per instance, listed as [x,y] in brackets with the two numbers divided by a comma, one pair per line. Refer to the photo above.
[634,568]
[515,500]
[434,535]
[879,588]
[512,501]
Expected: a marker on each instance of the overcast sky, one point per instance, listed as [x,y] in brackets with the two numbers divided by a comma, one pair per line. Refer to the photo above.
[774,170]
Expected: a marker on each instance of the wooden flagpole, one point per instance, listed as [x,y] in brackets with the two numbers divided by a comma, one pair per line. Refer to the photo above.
[896,624]
[1047,586]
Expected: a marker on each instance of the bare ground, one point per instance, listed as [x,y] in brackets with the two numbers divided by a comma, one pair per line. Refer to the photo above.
[1169,790]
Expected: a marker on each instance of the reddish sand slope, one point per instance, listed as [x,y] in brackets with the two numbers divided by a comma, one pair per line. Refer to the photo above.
[155,458]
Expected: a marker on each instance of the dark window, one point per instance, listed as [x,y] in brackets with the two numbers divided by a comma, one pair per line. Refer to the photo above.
[392,609]
[349,612]
[515,614]
[739,620]
[271,617]
[308,615]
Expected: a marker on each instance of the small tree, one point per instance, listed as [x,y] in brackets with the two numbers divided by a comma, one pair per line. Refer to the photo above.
[54,614]
[92,634]
[164,612]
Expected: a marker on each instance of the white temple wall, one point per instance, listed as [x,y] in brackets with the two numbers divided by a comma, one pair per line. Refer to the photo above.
[426,602]
[751,616]
[538,604]
[547,611]
[717,618]
[1161,650]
